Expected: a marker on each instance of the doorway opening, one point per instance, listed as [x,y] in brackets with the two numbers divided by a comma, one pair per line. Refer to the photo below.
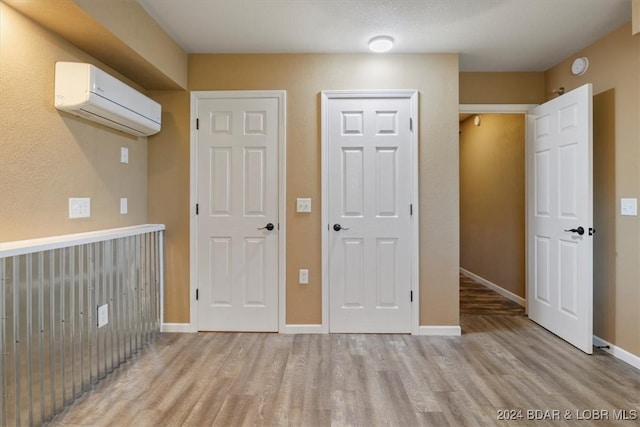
[492,209]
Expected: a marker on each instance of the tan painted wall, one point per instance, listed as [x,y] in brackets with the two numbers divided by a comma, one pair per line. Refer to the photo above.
[635,7]
[128,21]
[614,65]
[604,211]
[168,201]
[47,156]
[154,61]
[492,197]
[304,76]
[501,88]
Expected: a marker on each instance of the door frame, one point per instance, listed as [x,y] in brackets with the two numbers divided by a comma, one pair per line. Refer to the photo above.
[507,109]
[196,96]
[412,97]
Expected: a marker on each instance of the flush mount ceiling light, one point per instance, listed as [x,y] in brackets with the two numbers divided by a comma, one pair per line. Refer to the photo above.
[380,44]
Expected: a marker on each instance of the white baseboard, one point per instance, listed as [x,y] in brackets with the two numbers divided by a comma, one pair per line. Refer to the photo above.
[618,352]
[177,327]
[502,291]
[455,331]
[303,329]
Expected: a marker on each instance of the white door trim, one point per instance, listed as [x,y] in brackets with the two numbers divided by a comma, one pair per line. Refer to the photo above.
[412,96]
[281,95]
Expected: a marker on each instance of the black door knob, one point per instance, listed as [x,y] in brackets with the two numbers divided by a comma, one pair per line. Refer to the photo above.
[578,230]
[269,227]
[338,227]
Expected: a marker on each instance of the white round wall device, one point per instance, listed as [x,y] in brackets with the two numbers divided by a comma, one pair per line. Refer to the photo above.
[580,66]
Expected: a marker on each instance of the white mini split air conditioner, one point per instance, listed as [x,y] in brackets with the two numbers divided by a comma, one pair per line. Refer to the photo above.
[86,91]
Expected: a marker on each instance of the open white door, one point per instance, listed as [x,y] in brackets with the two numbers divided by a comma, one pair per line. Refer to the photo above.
[560,217]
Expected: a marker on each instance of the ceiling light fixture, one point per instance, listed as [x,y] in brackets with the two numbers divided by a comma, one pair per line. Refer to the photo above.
[380,44]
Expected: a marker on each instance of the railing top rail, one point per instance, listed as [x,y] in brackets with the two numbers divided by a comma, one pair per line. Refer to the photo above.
[21,247]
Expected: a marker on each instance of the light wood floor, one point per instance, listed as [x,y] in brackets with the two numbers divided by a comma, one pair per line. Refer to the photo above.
[499,364]
[229,379]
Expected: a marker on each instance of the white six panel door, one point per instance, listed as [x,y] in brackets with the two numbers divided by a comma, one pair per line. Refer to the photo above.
[369,197]
[238,197]
[560,261]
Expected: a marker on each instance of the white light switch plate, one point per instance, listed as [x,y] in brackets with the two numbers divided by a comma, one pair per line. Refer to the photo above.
[79,207]
[303,205]
[629,207]
[103,315]
[123,205]
[124,155]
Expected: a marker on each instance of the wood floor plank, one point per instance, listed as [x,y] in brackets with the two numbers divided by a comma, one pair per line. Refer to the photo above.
[501,362]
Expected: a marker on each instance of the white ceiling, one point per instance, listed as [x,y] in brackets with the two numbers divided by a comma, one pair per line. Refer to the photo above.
[490,35]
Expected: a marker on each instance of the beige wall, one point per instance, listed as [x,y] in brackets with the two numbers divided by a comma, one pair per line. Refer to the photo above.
[492,194]
[117,33]
[168,201]
[614,64]
[304,76]
[128,21]
[501,88]
[47,156]
[604,212]
[636,16]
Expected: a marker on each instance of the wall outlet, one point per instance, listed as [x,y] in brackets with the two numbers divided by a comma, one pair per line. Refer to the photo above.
[103,315]
[303,276]
[123,205]
[303,205]
[124,155]
[79,207]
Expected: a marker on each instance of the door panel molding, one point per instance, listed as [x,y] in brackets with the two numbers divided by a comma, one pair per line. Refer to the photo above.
[386,125]
[254,124]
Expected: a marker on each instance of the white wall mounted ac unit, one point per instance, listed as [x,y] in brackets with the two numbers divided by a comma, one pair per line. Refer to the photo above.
[86,91]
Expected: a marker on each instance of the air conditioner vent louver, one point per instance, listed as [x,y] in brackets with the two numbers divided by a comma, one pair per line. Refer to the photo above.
[86,91]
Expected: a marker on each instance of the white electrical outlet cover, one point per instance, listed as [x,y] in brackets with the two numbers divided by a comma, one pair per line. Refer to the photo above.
[629,207]
[123,205]
[303,276]
[103,315]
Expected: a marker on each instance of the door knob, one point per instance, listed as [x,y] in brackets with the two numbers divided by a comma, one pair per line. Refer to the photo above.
[338,227]
[578,230]
[269,227]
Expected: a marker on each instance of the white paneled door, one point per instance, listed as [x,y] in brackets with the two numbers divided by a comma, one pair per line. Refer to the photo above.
[237,221]
[560,217]
[369,213]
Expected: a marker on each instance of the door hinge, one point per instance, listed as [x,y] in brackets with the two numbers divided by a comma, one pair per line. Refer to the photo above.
[411,296]
[197,294]
[197,208]
[411,209]
[410,123]
[197,123]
